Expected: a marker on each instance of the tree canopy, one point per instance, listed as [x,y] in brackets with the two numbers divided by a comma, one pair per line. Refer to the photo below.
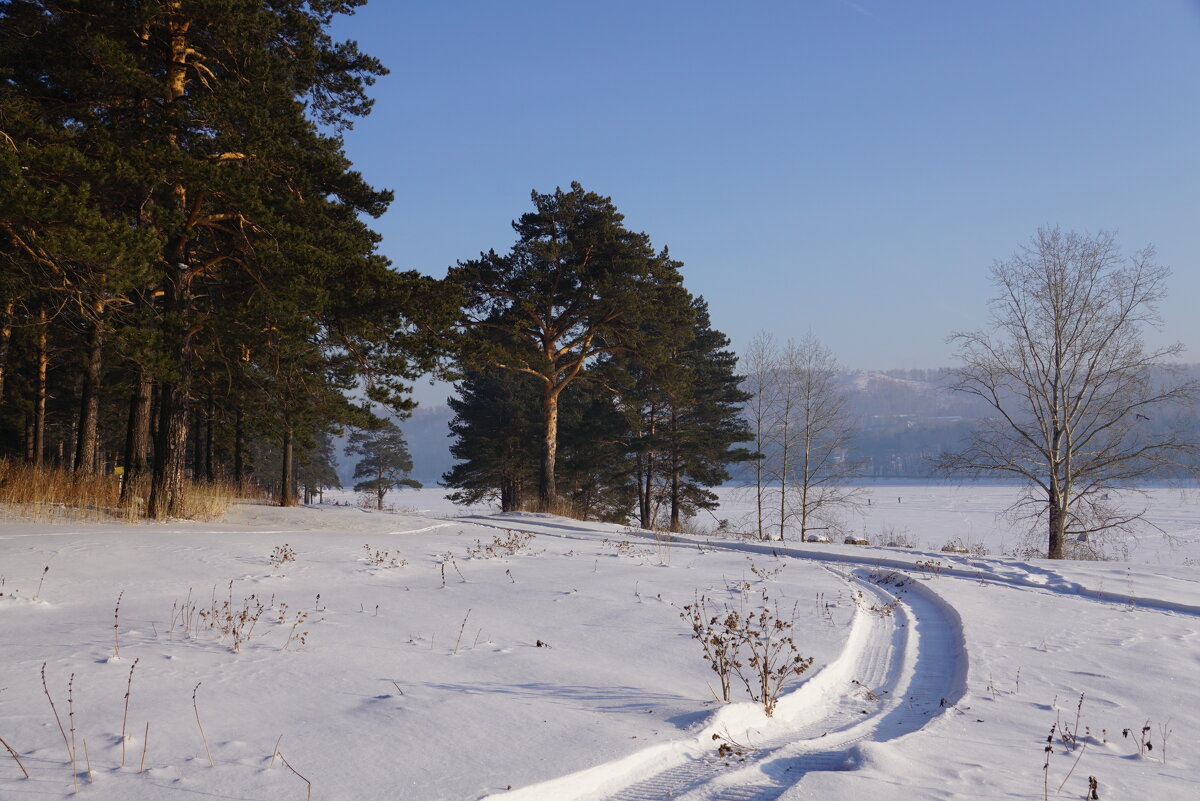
[177,213]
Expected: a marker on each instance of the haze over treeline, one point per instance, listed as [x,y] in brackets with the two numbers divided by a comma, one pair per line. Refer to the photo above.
[906,417]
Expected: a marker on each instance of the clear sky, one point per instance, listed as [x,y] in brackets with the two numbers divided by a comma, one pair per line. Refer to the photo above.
[846,168]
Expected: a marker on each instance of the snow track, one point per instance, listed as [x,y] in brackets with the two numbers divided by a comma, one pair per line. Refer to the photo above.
[903,664]
[912,661]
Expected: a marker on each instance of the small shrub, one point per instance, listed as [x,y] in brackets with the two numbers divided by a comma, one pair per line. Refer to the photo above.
[383,558]
[511,545]
[766,574]
[883,577]
[930,568]
[774,656]
[282,555]
[234,624]
[627,548]
[757,647]
[892,537]
[719,633]
[970,547]
[880,610]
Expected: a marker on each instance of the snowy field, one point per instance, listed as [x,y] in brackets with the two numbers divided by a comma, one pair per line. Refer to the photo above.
[409,655]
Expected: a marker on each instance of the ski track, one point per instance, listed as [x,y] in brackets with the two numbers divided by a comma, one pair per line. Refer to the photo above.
[913,661]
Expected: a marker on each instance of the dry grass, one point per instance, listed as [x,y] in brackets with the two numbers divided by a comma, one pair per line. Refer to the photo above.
[46,493]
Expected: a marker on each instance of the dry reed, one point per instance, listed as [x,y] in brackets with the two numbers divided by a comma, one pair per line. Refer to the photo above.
[48,493]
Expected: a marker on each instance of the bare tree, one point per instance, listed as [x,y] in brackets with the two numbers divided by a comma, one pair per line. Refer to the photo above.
[803,432]
[760,362]
[819,430]
[1076,409]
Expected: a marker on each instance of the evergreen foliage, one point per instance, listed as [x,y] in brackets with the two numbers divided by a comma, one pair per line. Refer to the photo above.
[178,216]
[568,291]
[584,338]
[385,462]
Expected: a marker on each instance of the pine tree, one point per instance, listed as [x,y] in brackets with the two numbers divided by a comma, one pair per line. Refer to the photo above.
[181,218]
[706,422]
[567,293]
[682,402]
[385,462]
[496,427]
[317,467]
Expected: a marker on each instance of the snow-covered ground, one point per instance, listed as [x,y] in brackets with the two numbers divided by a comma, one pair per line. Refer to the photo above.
[396,658]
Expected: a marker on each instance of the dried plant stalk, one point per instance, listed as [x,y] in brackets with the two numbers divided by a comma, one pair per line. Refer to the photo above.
[293,770]
[14,755]
[200,725]
[71,715]
[145,745]
[54,709]
[460,632]
[125,718]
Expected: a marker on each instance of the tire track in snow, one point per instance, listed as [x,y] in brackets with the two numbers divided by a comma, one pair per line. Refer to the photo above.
[913,661]
[934,680]
[1014,574]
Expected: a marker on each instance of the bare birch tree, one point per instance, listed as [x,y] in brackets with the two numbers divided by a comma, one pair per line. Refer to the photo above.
[760,362]
[821,428]
[803,432]
[1077,411]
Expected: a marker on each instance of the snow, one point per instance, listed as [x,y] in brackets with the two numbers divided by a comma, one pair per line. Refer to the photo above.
[941,681]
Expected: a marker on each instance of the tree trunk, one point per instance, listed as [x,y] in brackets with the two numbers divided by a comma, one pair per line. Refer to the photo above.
[783,471]
[89,405]
[1058,525]
[39,403]
[758,494]
[6,320]
[676,522]
[547,489]
[643,498]
[510,495]
[29,438]
[197,445]
[209,466]
[805,480]
[380,487]
[287,485]
[239,444]
[137,436]
[167,486]
[647,491]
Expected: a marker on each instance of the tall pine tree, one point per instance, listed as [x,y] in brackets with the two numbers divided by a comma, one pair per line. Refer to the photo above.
[569,291]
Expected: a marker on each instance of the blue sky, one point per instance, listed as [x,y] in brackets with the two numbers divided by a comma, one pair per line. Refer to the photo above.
[846,168]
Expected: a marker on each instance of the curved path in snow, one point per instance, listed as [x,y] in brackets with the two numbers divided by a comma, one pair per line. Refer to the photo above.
[898,670]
